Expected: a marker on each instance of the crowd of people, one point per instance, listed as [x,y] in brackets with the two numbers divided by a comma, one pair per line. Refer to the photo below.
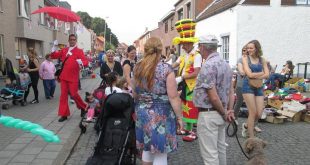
[172,94]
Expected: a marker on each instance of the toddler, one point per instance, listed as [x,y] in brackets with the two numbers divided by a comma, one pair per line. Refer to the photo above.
[93,104]
[112,80]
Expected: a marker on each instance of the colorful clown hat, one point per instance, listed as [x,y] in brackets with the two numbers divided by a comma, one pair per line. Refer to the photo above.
[186,29]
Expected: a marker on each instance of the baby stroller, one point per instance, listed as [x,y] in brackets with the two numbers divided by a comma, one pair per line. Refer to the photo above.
[116,142]
[15,91]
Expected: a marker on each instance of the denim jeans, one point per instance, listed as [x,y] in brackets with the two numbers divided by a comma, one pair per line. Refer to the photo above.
[49,87]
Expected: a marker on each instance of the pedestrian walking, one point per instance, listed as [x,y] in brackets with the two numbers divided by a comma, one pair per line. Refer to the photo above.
[240,76]
[189,64]
[129,64]
[157,105]
[72,58]
[214,98]
[256,69]
[47,74]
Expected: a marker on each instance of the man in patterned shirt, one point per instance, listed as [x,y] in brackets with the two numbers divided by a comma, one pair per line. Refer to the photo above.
[213,96]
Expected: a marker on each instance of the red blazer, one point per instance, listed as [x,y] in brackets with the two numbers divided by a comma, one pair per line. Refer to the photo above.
[71,69]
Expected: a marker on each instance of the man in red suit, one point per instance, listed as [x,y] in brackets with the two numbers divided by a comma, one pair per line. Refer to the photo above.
[69,77]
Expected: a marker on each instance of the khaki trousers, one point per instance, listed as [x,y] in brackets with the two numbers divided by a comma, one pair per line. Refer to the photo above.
[211,136]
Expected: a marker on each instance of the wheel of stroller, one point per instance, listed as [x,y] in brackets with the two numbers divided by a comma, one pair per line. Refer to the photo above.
[5,106]
[15,102]
[23,103]
[82,127]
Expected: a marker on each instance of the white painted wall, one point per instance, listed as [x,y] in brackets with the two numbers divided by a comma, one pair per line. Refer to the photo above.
[283,31]
[84,39]
[218,25]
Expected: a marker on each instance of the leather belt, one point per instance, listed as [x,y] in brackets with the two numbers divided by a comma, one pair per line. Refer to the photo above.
[205,109]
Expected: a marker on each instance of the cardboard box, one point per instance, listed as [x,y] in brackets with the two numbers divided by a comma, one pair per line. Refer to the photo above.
[291,116]
[293,83]
[275,119]
[305,117]
[275,103]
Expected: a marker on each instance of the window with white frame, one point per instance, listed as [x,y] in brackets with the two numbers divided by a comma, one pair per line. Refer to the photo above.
[180,14]
[24,8]
[302,2]
[1,46]
[225,47]
[166,27]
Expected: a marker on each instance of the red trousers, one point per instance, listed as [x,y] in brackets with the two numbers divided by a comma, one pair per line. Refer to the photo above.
[66,89]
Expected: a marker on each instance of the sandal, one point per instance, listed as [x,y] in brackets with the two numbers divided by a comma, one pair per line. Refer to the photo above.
[182,132]
[190,138]
[258,130]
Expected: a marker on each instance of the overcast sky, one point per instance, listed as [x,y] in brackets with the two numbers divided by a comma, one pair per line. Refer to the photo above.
[127,18]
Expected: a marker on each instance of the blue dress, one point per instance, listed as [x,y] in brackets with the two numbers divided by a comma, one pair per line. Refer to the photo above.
[156,121]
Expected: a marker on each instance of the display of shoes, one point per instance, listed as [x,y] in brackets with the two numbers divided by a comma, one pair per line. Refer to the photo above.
[190,138]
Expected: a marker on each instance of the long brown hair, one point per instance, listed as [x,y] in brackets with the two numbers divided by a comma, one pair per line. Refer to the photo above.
[259,51]
[145,69]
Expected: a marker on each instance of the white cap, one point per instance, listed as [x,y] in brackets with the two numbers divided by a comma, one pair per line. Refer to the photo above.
[208,39]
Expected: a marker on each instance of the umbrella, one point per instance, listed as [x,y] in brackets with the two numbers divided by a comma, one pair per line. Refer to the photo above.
[59,13]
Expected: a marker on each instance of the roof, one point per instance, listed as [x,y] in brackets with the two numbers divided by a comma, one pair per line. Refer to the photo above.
[178,3]
[168,15]
[216,7]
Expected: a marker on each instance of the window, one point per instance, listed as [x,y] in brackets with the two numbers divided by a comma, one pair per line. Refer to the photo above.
[1,6]
[180,14]
[225,48]
[302,2]
[17,47]
[1,46]
[172,24]
[24,8]
[166,27]
[189,15]
[167,50]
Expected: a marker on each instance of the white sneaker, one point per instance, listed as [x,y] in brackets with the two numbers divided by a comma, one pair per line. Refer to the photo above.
[72,101]
[244,131]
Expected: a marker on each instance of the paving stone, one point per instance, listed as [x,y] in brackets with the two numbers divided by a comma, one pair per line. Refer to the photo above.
[53,147]
[7,154]
[32,150]
[22,158]
[23,140]
[14,147]
[42,162]
[47,155]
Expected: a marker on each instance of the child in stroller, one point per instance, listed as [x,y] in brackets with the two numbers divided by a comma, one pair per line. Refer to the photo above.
[93,106]
[15,86]
[116,142]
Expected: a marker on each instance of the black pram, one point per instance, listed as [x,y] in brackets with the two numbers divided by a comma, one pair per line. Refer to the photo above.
[116,144]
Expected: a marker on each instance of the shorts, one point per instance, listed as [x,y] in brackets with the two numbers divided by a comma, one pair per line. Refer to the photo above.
[246,88]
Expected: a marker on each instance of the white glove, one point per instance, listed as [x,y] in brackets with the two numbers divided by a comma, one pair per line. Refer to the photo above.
[178,79]
[54,48]
[79,61]
[55,43]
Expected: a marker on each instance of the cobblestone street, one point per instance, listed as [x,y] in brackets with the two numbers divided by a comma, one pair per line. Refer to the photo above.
[288,144]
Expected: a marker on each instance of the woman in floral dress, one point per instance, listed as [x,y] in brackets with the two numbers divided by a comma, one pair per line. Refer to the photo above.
[158,106]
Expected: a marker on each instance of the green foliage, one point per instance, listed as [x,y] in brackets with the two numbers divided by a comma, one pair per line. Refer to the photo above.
[98,25]
[86,19]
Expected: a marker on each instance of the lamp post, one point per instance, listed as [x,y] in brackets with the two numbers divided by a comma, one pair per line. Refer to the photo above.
[105,31]
[110,38]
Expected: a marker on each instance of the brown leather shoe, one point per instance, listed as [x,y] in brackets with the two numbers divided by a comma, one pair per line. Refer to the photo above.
[63,118]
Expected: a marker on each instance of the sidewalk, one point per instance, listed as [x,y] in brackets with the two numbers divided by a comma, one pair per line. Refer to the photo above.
[27,148]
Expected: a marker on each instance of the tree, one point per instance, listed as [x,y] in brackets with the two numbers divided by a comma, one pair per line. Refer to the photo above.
[85,19]
[98,25]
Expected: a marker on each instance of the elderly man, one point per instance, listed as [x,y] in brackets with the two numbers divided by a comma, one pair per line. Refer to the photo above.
[213,96]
